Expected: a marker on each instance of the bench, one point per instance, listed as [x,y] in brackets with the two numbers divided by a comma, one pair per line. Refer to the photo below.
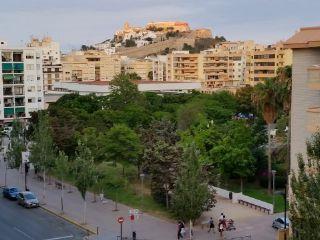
[251,205]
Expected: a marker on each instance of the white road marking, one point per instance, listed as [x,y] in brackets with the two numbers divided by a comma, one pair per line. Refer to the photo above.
[58,238]
[23,233]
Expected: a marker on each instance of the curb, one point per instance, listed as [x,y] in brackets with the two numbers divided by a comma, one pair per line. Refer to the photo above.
[86,228]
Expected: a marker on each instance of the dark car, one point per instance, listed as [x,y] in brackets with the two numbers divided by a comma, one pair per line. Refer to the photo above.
[27,199]
[10,192]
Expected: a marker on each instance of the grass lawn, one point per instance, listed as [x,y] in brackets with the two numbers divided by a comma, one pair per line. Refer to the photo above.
[255,191]
[128,190]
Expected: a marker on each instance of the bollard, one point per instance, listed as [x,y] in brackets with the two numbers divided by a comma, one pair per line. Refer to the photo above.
[97,230]
[134,235]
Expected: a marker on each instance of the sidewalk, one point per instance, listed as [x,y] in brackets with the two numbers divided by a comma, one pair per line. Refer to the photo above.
[101,215]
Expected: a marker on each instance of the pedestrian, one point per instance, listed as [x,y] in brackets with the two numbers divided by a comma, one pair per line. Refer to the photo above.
[211,225]
[220,229]
[181,230]
[221,217]
[224,222]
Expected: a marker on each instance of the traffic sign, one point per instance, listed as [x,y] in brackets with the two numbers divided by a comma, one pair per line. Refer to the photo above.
[120,220]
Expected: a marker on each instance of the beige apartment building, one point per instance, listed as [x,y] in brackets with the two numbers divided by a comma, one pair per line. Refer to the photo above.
[184,66]
[90,66]
[263,62]
[142,67]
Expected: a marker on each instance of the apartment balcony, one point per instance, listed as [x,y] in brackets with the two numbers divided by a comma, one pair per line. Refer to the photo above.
[313,119]
[313,81]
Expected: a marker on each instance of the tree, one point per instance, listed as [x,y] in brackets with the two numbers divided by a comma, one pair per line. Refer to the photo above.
[16,146]
[42,151]
[122,145]
[244,99]
[191,191]
[130,43]
[190,114]
[123,92]
[84,172]
[266,97]
[161,157]
[94,141]
[232,154]
[305,200]
[62,169]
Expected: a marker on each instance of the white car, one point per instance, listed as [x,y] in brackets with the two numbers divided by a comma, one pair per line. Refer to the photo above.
[278,223]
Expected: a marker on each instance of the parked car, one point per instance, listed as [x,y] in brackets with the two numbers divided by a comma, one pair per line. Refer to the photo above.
[27,199]
[278,223]
[10,192]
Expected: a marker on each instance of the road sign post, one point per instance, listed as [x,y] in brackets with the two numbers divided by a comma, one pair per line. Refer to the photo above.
[120,220]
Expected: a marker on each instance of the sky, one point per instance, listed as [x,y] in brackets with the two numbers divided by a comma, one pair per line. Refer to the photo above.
[76,22]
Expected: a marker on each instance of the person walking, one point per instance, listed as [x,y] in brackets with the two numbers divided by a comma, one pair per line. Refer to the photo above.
[211,225]
[181,230]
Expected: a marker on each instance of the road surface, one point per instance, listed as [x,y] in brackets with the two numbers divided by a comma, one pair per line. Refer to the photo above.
[18,223]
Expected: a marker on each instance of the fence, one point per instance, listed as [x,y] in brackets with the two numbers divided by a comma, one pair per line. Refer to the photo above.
[241,198]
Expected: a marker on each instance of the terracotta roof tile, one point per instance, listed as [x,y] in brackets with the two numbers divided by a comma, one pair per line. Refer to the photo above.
[307,37]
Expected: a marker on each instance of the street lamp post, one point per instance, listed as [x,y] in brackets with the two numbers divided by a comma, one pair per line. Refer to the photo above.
[273,178]
[142,175]
[166,188]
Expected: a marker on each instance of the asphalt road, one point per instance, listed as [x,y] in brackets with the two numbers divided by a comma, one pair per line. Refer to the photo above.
[18,223]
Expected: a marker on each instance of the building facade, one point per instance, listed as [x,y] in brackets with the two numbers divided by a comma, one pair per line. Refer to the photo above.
[263,62]
[21,83]
[52,68]
[305,101]
[184,66]
[90,65]
[159,68]
[142,67]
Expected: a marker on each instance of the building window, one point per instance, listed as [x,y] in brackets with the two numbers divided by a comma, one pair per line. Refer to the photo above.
[30,66]
[39,99]
[38,67]
[17,56]
[29,56]
[6,56]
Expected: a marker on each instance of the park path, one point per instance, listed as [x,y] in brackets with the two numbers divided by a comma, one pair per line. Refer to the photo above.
[101,215]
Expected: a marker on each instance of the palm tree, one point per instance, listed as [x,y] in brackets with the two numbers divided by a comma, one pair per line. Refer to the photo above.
[266,96]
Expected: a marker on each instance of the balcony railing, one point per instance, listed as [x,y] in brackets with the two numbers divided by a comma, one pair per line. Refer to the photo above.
[313,119]
[314,77]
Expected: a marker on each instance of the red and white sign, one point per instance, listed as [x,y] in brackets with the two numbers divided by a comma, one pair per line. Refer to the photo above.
[120,220]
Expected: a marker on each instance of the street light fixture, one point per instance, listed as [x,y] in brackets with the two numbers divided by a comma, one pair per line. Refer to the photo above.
[273,178]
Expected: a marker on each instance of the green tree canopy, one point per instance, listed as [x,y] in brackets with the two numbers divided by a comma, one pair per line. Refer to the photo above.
[191,192]
[305,200]
[122,145]
[17,145]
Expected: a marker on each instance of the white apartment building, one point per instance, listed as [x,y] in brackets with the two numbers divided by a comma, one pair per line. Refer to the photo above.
[21,83]
[52,68]
[50,50]
[159,68]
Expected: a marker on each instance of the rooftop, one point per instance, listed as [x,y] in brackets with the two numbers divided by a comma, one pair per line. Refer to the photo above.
[308,37]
